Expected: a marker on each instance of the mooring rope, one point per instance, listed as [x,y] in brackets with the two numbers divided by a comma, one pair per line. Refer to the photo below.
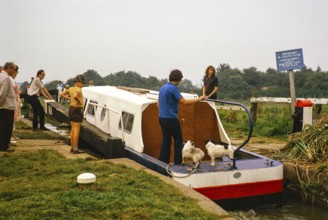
[170,173]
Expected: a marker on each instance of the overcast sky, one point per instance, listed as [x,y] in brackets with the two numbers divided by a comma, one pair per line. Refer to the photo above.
[152,37]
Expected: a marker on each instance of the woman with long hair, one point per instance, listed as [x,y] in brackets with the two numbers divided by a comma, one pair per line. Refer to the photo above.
[34,92]
[211,83]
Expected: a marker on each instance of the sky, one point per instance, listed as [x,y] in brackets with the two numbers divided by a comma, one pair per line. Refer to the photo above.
[153,37]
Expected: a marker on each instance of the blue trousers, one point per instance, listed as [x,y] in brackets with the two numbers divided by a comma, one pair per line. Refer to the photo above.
[171,128]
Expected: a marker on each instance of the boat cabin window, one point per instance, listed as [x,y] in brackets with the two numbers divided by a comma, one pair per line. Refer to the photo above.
[92,107]
[127,121]
[103,113]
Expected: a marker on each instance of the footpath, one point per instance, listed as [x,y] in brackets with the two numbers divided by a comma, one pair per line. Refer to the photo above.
[29,145]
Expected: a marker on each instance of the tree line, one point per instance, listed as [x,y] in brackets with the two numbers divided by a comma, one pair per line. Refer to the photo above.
[234,84]
[250,82]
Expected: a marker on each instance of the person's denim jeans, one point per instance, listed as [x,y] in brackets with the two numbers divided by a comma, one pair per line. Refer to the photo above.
[171,128]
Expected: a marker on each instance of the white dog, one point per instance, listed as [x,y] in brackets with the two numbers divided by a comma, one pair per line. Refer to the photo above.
[191,152]
[217,150]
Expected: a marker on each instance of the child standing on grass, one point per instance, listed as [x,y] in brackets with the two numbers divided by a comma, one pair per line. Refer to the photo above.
[74,94]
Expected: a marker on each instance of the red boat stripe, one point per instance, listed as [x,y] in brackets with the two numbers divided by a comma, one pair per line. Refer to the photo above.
[242,190]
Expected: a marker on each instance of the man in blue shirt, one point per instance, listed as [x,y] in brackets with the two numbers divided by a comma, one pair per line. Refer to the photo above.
[168,103]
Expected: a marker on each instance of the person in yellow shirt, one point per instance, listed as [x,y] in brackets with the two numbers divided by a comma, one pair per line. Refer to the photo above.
[75,113]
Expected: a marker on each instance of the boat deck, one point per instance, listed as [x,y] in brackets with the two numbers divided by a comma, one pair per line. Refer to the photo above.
[247,161]
[245,164]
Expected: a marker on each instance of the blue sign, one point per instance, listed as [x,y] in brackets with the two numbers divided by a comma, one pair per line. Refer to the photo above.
[289,60]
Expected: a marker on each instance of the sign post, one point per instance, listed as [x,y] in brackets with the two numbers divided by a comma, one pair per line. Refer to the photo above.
[292,90]
[288,61]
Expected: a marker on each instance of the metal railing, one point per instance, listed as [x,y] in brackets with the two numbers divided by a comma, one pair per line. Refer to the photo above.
[250,126]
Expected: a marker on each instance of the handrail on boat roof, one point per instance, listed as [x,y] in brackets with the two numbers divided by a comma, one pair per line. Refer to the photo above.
[109,109]
[249,117]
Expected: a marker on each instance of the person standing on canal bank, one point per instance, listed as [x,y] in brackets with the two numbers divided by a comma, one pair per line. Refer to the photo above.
[168,102]
[33,99]
[7,105]
[211,83]
[74,94]
[17,114]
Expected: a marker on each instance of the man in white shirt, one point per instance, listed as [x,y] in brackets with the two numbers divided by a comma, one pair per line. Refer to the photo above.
[7,105]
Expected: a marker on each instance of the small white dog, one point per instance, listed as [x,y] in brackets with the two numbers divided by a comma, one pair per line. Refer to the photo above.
[217,150]
[191,152]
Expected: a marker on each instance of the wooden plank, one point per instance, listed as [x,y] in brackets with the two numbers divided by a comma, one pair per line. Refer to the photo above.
[254,111]
[198,123]
[315,101]
[151,131]
[206,126]
[230,107]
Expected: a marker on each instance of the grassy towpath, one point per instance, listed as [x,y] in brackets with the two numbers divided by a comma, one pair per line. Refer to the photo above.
[38,181]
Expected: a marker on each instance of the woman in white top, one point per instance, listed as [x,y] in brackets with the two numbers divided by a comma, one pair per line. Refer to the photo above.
[17,114]
[34,92]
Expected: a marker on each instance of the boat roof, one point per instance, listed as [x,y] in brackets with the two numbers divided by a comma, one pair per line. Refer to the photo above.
[130,94]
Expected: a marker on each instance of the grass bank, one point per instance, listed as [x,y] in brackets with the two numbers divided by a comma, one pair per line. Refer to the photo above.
[273,121]
[24,131]
[42,185]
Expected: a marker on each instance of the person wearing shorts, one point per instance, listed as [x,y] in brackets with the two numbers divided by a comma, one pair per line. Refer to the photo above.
[75,113]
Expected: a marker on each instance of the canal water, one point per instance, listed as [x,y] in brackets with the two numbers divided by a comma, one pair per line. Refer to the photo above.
[63,129]
[291,209]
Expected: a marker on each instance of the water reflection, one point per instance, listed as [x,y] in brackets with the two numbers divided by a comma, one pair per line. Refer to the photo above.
[63,129]
[292,209]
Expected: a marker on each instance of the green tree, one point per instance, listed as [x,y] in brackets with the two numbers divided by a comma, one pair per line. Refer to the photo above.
[253,77]
[122,78]
[187,86]
[234,87]
[318,70]
[95,77]
[52,85]
[23,87]
[233,83]
[223,67]
[152,83]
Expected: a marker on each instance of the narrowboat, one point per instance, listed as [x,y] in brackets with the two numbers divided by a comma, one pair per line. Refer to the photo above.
[132,115]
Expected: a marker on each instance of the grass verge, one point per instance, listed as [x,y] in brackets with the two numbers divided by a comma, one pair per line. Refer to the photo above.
[42,185]
[24,131]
